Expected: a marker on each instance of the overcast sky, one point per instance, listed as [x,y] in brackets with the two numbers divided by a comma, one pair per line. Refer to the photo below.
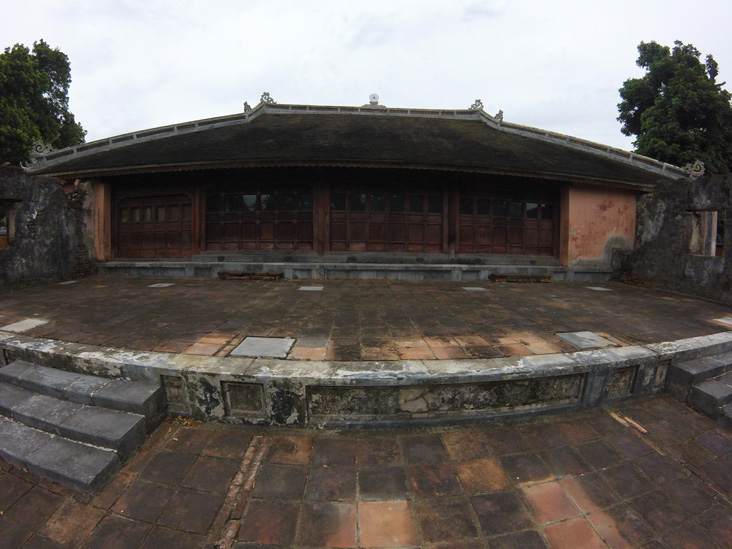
[556,65]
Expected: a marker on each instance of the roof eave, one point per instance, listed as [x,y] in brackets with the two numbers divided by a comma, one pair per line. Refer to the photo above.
[44,164]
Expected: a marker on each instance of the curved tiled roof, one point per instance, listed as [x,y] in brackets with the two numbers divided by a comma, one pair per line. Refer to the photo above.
[300,135]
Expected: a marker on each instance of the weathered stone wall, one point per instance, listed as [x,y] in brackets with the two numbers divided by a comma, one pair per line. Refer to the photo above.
[667,252]
[47,243]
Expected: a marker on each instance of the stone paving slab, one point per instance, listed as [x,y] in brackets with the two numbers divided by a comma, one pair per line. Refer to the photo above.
[359,320]
[586,340]
[643,473]
[264,347]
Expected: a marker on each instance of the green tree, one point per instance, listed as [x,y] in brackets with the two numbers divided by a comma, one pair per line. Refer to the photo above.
[677,111]
[34,101]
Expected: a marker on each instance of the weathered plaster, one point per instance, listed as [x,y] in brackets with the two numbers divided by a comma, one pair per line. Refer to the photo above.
[323,393]
[48,242]
[664,254]
[595,221]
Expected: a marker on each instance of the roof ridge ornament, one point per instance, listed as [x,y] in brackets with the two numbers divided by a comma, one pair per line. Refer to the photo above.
[373,102]
[247,107]
[267,99]
[696,169]
[39,150]
[478,105]
[499,115]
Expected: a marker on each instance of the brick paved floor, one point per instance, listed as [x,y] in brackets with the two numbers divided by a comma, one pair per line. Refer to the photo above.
[355,320]
[578,480]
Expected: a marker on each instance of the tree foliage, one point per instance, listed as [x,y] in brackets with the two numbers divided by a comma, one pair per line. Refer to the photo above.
[34,101]
[677,110]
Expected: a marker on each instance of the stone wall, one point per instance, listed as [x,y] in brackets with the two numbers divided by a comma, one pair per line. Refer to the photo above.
[46,241]
[675,229]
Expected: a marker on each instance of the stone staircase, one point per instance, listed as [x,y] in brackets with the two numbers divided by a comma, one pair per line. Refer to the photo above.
[705,384]
[72,428]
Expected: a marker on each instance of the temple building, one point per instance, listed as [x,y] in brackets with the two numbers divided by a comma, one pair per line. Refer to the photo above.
[328,185]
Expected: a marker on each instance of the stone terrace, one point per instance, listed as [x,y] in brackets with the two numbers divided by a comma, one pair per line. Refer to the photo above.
[355,320]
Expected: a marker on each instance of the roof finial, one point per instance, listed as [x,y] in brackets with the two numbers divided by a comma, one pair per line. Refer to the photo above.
[696,169]
[267,99]
[374,102]
[247,107]
[477,105]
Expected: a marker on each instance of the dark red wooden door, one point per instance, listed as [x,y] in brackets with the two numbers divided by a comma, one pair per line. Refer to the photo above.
[489,225]
[154,227]
[241,219]
[386,221]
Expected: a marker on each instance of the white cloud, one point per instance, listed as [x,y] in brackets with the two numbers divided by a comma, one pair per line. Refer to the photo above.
[555,65]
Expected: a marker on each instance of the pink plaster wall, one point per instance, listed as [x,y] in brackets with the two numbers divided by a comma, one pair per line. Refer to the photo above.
[594,221]
[101,219]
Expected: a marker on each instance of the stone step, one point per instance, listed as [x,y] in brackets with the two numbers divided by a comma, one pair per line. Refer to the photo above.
[122,432]
[711,395]
[689,372]
[72,464]
[725,417]
[116,394]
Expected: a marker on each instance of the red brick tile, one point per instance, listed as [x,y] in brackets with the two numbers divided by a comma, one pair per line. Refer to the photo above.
[528,539]
[164,537]
[387,524]
[481,475]
[467,446]
[191,511]
[144,500]
[334,451]
[331,484]
[572,534]
[718,522]
[112,491]
[379,353]
[443,520]
[449,353]
[308,353]
[576,431]
[514,350]
[168,467]
[188,440]
[526,468]
[203,349]
[501,512]
[280,481]
[415,353]
[691,494]
[13,534]
[271,522]
[115,532]
[326,524]
[659,511]
[424,449]
[12,489]
[228,444]
[293,450]
[620,527]
[35,507]
[382,483]
[689,536]
[209,474]
[71,524]
[377,451]
[589,492]
[714,442]
[433,480]
[548,502]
